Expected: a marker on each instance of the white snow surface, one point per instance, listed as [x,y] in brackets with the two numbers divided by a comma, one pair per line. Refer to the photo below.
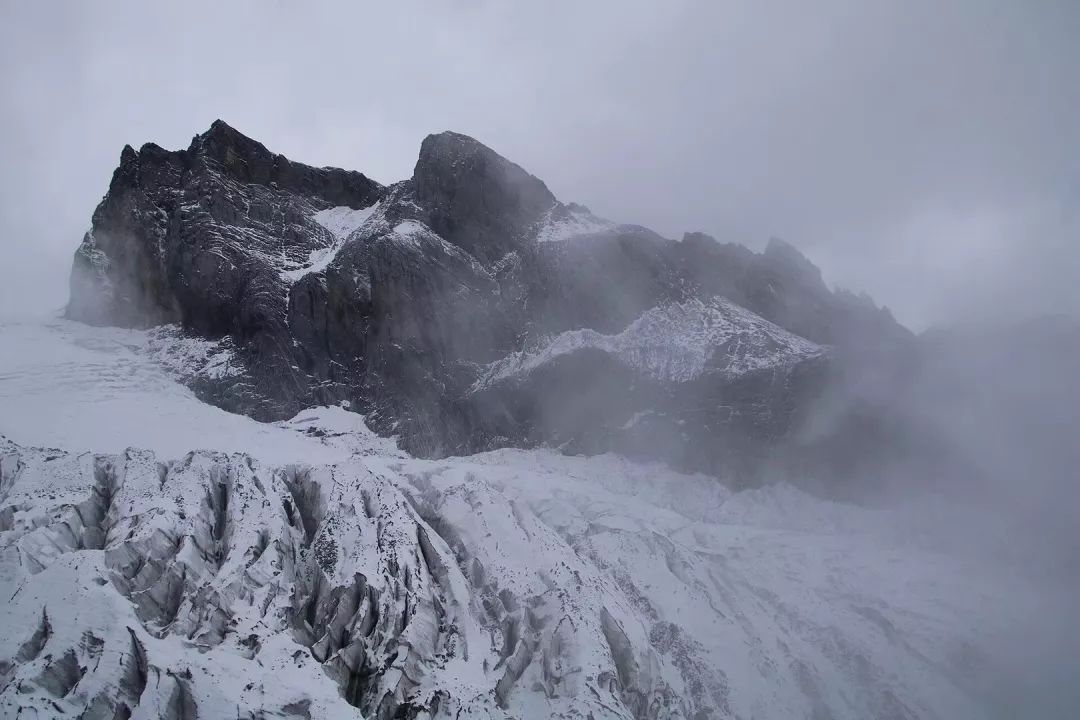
[563,223]
[68,385]
[188,356]
[674,343]
[198,561]
[341,221]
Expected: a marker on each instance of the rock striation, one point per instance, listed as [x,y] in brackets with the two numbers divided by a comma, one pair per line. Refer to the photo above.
[415,303]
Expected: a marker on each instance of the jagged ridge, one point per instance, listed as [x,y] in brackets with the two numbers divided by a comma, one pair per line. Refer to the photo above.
[398,299]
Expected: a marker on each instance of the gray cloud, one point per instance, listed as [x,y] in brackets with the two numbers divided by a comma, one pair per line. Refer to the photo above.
[928,153]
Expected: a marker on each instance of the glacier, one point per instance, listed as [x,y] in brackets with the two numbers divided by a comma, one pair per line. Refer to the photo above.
[161,558]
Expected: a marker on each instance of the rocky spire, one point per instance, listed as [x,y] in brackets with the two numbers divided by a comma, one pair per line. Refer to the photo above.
[478,200]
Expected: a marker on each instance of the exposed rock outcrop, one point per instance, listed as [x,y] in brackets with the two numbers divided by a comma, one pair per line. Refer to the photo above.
[400,300]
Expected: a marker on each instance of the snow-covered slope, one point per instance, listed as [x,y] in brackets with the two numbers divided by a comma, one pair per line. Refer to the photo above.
[304,568]
[342,221]
[65,384]
[567,222]
[675,343]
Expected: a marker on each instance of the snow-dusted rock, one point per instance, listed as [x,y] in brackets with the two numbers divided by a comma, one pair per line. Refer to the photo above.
[516,584]
[569,222]
[675,343]
[320,286]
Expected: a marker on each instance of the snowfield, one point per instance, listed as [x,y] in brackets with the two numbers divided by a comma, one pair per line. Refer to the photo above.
[162,558]
[570,222]
[341,222]
[674,343]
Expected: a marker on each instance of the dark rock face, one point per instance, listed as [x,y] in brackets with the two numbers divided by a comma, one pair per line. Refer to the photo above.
[198,237]
[466,308]
[475,198]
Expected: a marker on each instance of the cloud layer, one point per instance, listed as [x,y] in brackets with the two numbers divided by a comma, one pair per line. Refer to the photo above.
[928,153]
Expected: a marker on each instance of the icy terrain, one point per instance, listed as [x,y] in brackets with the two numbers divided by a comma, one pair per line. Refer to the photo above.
[567,222]
[162,558]
[342,221]
[676,343]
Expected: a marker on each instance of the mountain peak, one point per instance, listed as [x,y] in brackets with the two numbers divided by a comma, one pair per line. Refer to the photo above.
[451,139]
[227,144]
[480,201]
[451,157]
[396,299]
[221,130]
[786,257]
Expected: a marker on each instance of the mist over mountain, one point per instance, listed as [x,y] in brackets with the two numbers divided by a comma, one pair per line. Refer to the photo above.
[466,308]
[619,360]
[307,445]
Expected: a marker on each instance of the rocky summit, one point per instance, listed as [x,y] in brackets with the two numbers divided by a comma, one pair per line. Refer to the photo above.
[466,308]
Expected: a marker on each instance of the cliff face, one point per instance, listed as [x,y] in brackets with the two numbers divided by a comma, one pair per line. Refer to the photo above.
[467,308]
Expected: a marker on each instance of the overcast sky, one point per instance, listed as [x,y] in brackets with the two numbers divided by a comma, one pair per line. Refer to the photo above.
[925,152]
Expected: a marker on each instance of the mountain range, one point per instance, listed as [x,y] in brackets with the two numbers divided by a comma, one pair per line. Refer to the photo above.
[466,309]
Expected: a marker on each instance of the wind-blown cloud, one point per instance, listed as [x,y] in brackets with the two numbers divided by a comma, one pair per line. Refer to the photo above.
[924,152]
